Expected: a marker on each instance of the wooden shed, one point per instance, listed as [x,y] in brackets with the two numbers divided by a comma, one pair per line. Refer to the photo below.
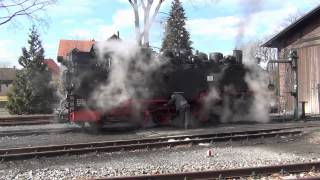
[303,36]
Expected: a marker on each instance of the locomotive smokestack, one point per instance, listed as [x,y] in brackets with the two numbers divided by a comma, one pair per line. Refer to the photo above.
[238,55]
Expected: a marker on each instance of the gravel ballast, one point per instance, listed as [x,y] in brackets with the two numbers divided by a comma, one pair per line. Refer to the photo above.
[261,152]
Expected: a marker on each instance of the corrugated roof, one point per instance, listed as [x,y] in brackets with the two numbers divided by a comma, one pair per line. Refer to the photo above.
[300,21]
[65,46]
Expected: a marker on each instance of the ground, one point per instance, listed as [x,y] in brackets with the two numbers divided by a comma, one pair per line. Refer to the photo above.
[280,150]
[111,134]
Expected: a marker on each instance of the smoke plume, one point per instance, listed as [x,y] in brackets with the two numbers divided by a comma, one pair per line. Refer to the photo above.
[249,8]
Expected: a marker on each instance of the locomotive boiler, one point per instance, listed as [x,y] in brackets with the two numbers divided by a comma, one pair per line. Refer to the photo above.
[195,78]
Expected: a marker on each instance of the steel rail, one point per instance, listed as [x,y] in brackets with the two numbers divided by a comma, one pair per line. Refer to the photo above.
[254,172]
[26,117]
[16,120]
[58,131]
[22,122]
[47,119]
[135,144]
[37,132]
[26,120]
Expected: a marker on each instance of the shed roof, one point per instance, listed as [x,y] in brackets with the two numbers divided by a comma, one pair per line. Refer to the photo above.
[294,26]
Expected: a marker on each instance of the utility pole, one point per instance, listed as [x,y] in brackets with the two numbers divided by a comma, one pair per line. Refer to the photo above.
[293,61]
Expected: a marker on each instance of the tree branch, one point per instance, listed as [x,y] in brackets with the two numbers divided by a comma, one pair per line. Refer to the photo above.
[135,8]
[130,1]
[155,13]
[143,5]
[146,6]
[23,8]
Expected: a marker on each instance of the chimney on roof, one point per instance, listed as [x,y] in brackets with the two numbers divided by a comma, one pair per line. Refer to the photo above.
[118,34]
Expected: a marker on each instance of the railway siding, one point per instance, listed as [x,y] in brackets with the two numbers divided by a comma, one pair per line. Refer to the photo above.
[115,146]
[18,120]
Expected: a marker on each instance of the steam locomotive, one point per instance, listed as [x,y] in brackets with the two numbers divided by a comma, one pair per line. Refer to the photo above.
[210,84]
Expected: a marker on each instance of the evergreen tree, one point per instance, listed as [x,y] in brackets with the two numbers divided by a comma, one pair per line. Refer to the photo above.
[177,38]
[32,91]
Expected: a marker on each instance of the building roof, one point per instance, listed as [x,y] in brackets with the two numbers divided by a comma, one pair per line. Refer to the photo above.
[65,46]
[291,28]
[52,66]
[7,74]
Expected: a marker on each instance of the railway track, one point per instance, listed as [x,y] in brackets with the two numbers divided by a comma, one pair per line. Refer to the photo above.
[48,119]
[38,132]
[22,122]
[254,173]
[135,144]
[27,132]
[27,120]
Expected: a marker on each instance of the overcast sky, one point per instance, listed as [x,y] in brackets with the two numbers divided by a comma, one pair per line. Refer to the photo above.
[215,25]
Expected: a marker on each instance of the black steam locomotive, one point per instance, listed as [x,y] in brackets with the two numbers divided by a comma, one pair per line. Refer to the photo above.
[210,84]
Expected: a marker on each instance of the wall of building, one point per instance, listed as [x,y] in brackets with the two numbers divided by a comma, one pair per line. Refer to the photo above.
[4,89]
[309,77]
[286,100]
[308,48]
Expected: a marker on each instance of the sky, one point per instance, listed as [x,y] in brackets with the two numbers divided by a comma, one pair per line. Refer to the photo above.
[214,25]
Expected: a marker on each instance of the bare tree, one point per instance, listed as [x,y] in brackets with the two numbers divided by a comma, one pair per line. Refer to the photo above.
[148,19]
[291,19]
[265,54]
[255,51]
[11,9]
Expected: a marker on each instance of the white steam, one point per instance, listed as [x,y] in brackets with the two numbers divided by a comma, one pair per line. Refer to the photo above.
[209,102]
[252,107]
[129,74]
[257,80]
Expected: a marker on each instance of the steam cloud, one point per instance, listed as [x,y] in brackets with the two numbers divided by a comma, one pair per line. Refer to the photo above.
[257,81]
[255,109]
[129,73]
